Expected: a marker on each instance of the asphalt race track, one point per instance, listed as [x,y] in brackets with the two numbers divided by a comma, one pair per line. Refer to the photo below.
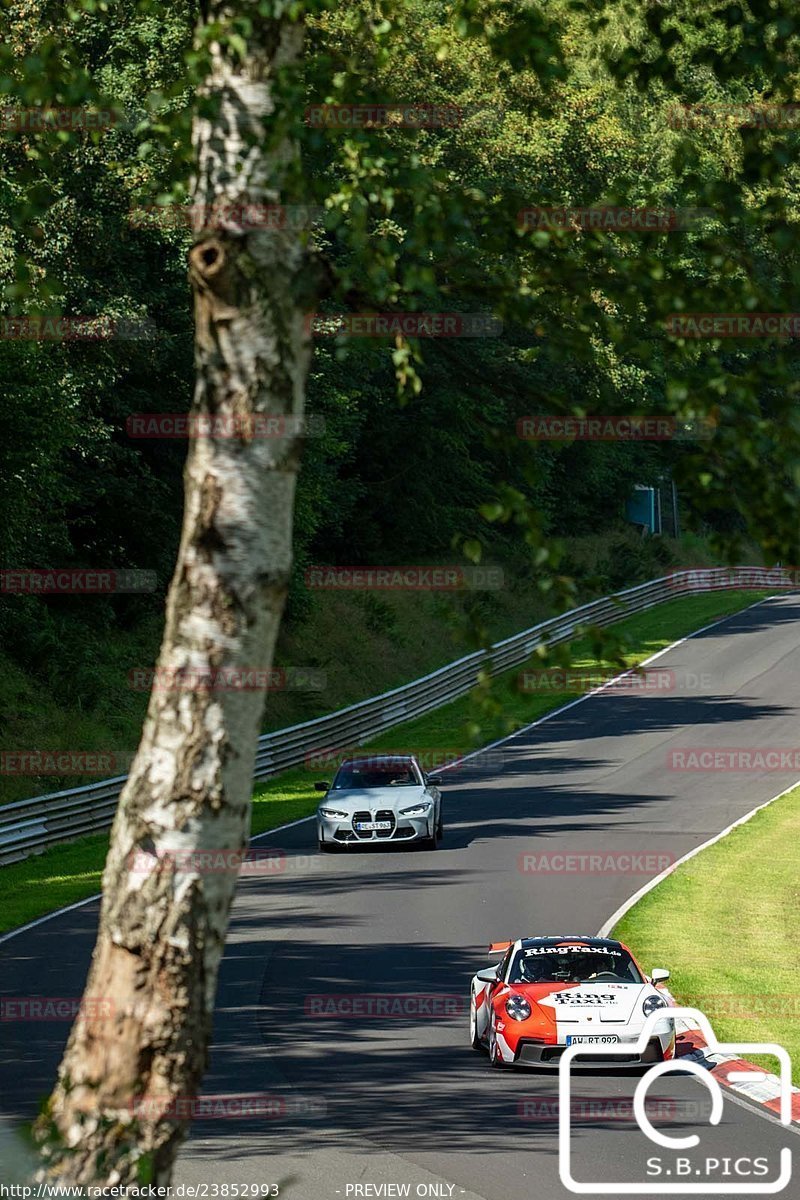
[377,1105]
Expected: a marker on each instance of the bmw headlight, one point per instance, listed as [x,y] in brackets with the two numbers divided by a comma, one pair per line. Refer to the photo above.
[333,812]
[416,810]
[652,1003]
[518,1008]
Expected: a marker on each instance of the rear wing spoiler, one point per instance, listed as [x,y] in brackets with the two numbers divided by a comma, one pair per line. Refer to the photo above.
[499,947]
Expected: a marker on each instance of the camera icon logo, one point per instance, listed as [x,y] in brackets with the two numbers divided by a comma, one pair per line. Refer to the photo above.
[688,1182]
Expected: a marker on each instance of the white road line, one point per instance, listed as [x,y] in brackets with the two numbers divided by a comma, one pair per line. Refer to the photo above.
[47,917]
[605,931]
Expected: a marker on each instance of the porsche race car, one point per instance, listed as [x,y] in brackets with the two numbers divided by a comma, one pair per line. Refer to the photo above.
[548,993]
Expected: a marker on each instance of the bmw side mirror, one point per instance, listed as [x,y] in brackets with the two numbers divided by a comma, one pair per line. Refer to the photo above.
[321,786]
[435,780]
[659,975]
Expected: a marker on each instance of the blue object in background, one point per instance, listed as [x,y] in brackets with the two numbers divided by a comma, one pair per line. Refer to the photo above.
[644,508]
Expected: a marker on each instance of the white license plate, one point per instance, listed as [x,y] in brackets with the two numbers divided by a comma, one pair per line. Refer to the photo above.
[366,826]
[591,1039]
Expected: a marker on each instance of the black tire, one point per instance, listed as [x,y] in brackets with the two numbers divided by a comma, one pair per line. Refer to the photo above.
[440,827]
[494,1058]
[325,847]
[432,843]
[474,1040]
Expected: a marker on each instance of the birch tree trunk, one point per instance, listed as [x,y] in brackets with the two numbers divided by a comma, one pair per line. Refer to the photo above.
[139,1047]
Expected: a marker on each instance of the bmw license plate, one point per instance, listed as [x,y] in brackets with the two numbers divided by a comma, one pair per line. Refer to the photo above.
[367,826]
[591,1039]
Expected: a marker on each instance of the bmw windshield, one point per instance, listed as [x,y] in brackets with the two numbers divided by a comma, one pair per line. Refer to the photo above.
[370,775]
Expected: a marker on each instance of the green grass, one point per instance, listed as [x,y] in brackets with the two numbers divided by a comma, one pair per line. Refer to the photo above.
[48,881]
[725,924]
[67,873]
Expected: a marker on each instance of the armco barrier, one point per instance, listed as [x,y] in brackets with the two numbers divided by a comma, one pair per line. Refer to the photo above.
[28,826]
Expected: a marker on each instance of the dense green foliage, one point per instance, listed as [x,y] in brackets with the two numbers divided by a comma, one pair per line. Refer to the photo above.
[570,104]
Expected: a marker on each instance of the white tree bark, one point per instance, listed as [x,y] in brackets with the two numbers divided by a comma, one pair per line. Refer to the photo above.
[112,1116]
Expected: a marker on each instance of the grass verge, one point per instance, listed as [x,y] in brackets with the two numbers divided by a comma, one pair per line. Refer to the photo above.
[725,924]
[68,873]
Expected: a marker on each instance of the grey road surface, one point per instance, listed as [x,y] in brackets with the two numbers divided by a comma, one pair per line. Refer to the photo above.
[396,1103]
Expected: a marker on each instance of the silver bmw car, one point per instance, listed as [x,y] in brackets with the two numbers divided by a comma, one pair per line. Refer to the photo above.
[383,799]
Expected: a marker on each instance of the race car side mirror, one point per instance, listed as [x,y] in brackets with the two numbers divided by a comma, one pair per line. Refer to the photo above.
[321,786]
[660,975]
[435,780]
[488,976]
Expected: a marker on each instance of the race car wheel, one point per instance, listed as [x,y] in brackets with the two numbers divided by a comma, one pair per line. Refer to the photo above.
[440,826]
[474,1040]
[495,1058]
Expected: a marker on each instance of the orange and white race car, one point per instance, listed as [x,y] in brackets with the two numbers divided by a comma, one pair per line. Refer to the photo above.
[548,993]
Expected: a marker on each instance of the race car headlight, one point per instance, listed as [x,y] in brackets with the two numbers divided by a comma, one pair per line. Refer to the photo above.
[518,1008]
[333,812]
[652,1003]
[416,810]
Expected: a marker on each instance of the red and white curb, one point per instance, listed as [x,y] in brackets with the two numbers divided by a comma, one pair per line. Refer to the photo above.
[733,1072]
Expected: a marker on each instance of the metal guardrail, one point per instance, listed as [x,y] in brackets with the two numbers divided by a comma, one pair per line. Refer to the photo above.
[29,826]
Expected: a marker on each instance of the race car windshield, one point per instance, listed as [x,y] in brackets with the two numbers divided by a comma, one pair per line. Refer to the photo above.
[375,776]
[573,964]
